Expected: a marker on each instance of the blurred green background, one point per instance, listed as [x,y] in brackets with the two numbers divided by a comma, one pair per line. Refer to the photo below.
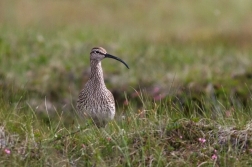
[190,79]
[172,48]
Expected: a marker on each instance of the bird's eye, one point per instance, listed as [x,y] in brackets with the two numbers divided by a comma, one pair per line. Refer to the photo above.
[97,52]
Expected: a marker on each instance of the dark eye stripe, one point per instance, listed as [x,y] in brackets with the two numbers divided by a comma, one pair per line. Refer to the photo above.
[99,52]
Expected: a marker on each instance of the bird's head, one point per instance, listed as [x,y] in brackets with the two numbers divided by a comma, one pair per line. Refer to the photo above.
[99,53]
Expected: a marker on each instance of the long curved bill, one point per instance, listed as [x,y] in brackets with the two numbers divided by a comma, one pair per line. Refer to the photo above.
[116,58]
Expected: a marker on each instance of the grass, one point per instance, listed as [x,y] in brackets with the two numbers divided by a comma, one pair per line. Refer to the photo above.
[159,134]
[185,101]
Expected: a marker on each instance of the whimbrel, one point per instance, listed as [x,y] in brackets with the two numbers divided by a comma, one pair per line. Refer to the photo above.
[95,100]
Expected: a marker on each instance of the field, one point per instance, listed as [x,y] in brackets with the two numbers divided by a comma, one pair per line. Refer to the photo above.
[185,101]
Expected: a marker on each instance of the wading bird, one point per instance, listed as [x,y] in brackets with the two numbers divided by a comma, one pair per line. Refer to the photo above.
[95,100]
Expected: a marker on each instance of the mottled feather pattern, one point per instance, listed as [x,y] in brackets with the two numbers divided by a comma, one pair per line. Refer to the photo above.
[97,102]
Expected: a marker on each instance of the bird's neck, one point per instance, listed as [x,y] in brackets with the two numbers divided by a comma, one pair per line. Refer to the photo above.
[96,75]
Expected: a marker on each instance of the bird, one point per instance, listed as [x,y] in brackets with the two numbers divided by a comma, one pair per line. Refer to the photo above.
[95,101]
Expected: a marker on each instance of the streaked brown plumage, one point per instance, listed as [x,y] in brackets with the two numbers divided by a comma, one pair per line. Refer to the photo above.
[95,100]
